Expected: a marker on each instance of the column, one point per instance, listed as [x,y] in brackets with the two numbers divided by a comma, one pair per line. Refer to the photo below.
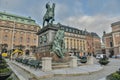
[90,60]
[46,64]
[73,62]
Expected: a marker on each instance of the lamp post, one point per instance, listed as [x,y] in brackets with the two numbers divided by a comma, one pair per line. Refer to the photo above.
[12,37]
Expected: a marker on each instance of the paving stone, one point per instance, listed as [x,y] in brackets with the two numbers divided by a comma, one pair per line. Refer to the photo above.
[86,69]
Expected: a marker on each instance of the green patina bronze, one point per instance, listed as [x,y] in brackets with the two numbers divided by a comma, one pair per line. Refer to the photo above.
[49,15]
[58,46]
[20,19]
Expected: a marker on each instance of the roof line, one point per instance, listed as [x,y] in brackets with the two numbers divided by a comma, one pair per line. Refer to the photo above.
[4,13]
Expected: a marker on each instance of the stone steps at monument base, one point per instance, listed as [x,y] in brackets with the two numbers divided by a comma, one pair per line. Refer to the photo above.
[60,65]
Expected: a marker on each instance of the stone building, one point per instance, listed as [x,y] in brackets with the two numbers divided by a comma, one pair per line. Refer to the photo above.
[81,41]
[18,31]
[96,43]
[93,43]
[75,40]
[112,39]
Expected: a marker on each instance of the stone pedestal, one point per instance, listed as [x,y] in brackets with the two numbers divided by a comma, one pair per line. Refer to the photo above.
[45,39]
[73,62]
[46,63]
[90,60]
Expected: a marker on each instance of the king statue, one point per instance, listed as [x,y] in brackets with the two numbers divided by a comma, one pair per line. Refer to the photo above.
[49,15]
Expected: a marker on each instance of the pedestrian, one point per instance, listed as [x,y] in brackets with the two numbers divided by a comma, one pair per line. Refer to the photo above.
[0,56]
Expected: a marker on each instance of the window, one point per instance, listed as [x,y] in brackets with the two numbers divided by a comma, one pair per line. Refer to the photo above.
[14,38]
[40,39]
[21,39]
[21,32]
[14,31]
[111,45]
[8,17]
[34,41]
[70,30]
[76,32]
[22,19]
[13,46]
[62,28]
[29,33]
[1,16]
[28,21]
[6,30]
[5,38]
[28,46]
[66,29]
[28,40]
[16,18]
[35,28]
[73,31]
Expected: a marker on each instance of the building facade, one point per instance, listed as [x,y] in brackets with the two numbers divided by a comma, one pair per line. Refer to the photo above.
[96,43]
[17,31]
[81,41]
[112,40]
[75,40]
[93,43]
[116,37]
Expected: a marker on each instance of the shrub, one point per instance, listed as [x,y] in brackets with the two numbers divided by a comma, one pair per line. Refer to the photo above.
[104,60]
[5,71]
[10,79]
[2,65]
[113,76]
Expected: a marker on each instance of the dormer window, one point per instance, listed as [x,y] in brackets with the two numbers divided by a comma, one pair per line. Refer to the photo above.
[16,18]
[1,16]
[22,20]
[29,20]
[67,29]
[8,17]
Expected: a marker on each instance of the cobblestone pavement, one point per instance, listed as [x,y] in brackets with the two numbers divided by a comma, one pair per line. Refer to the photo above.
[110,68]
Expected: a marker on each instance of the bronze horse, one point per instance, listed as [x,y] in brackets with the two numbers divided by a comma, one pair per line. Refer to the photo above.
[49,15]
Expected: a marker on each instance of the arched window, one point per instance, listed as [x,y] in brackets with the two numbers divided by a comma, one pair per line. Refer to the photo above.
[34,41]
[28,40]
[5,38]
[21,39]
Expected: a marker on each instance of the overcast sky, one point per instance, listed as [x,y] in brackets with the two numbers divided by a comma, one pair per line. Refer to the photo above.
[93,15]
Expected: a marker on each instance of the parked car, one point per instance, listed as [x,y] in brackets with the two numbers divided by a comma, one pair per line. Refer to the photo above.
[83,59]
[116,56]
[99,56]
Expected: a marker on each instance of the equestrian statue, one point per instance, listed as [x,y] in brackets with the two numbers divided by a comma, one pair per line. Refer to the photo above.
[49,15]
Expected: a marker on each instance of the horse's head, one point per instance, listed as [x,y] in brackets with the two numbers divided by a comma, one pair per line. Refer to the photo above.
[53,5]
[47,5]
